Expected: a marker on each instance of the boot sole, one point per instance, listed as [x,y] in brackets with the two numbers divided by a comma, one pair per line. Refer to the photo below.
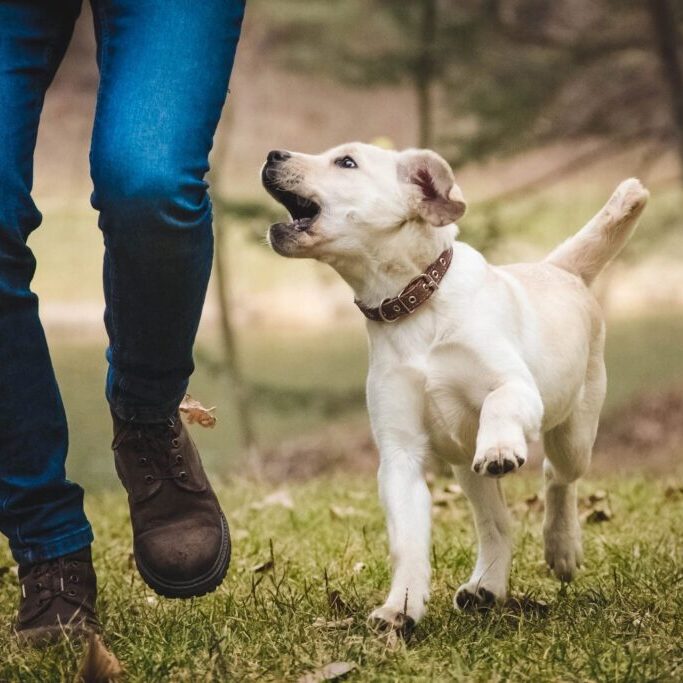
[196,587]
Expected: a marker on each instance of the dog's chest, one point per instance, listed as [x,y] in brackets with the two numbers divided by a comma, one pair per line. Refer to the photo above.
[452,397]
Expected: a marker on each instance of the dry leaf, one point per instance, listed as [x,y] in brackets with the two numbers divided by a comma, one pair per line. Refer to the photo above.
[263,567]
[339,512]
[321,622]
[338,604]
[443,498]
[151,600]
[359,567]
[194,411]
[603,514]
[330,672]
[280,497]
[455,489]
[597,496]
[673,491]
[98,665]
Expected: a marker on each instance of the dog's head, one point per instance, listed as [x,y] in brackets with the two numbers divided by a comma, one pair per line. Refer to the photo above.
[348,201]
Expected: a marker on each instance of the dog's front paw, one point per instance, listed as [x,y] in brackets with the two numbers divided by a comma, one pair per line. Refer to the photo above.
[499,460]
[388,619]
[475,595]
[563,552]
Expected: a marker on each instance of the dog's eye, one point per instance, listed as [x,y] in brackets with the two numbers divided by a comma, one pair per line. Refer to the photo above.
[345,162]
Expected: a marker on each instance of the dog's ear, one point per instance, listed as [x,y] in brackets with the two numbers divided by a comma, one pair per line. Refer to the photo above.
[434,195]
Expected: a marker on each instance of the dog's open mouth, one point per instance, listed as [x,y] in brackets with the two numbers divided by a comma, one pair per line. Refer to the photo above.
[303,211]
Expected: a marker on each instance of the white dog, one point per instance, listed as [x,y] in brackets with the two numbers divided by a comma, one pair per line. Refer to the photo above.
[467,360]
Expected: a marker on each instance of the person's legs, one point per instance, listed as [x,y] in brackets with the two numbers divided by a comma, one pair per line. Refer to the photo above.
[164,71]
[40,511]
[164,76]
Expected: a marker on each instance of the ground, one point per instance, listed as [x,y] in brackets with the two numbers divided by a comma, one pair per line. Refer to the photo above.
[296,596]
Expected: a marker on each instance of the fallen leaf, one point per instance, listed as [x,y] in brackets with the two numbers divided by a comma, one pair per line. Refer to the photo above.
[263,567]
[359,567]
[151,600]
[455,489]
[673,491]
[194,411]
[603,514]
[98,665]
[339,512]
[443,498]
[332,624]
[330,672]
[280,497]
[338,604]
[14,569]
[597,496]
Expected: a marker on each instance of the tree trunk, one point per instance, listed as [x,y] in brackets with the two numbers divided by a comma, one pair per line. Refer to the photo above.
[666,36]
[231,359]
[425,72]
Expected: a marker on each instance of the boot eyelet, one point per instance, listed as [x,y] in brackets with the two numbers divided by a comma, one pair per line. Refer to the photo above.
[178,459]
[74,579]
[175,442]
[149,478]
[71,592]
[182,476]
[142,461]
[39,587]
[171,422]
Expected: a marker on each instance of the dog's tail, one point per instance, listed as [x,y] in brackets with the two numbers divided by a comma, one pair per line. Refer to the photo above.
[603,237]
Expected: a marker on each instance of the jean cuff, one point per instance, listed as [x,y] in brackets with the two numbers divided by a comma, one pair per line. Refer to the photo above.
[57,547]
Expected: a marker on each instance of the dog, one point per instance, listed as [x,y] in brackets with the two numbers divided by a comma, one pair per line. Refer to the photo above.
[468,360]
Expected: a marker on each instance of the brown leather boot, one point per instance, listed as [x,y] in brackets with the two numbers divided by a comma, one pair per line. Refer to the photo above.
[57,599]
[181,540]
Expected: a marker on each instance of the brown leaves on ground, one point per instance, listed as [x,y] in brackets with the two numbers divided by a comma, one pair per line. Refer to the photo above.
[194,412]
[98,665]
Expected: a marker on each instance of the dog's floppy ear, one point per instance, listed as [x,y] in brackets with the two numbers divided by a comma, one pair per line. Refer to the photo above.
[434,196]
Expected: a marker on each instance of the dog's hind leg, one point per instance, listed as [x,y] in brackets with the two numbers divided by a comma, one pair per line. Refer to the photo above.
[568,453]
[489,580]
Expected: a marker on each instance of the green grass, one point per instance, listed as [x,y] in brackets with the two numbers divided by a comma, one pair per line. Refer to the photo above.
[620,621]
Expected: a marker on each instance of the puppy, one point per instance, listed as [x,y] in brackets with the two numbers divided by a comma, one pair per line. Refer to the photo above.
[467,360]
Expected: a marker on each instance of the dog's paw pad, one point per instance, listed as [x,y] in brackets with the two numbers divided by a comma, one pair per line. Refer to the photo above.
[385,620]
[474,598]
[499,460]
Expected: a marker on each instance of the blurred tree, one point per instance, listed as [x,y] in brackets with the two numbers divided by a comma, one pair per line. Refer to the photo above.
[514,74]
[528,72]
[366,43]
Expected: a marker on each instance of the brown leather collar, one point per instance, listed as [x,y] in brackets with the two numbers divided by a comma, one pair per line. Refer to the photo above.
[413,295]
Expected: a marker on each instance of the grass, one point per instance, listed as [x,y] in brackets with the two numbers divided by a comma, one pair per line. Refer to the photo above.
[620,621]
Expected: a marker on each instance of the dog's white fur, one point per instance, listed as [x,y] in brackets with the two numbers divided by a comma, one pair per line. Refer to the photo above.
[499,356]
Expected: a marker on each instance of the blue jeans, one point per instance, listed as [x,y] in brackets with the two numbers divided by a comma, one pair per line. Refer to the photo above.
[164,71]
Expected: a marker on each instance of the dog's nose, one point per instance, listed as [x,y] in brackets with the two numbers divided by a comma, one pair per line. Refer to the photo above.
[277,155]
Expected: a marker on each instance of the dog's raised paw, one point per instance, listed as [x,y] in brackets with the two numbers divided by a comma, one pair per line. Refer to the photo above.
[499,460]
[474,597]
[387,619]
